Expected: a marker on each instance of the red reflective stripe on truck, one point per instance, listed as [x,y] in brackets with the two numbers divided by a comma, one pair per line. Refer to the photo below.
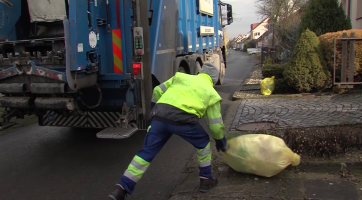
[117,51]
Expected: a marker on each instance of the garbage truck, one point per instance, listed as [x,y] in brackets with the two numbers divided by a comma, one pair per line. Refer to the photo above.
[94,63]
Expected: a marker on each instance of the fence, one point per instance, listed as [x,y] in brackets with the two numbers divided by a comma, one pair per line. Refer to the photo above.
[268,52]
[348,60]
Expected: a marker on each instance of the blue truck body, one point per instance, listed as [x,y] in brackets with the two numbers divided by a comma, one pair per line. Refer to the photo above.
[81,70]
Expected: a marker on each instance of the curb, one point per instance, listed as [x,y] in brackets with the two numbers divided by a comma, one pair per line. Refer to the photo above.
[327,164]
[246,80]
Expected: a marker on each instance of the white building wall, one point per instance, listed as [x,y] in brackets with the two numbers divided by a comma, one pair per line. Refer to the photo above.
[259,30]
[354,8]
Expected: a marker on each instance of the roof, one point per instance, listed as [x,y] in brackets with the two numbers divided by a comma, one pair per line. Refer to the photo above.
[258,24]
[253,26]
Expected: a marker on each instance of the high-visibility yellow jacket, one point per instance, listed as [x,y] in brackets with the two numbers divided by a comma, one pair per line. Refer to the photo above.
[193,95]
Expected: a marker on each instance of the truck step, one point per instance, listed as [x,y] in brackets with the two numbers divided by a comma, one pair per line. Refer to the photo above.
[116,133]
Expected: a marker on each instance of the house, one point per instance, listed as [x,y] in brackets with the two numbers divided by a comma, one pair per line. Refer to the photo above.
[266,40]
[237,40]
[258,29]
[241,44]
[353,10]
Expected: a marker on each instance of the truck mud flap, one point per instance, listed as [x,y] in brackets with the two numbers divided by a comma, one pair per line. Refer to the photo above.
[116,133]
[88,120]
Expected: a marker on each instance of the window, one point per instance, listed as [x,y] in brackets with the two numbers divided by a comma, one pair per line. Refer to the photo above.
[256,34]
[359,10]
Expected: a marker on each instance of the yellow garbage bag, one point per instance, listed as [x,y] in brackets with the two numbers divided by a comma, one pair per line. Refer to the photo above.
[267,86]
[259,154]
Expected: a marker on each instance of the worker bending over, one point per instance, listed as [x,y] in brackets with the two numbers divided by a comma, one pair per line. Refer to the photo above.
[178,104]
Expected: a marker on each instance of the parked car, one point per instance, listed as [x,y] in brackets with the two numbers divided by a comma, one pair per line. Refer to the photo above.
[253,50]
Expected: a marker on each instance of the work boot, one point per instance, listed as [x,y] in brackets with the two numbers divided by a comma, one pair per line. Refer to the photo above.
[118,194]
[207,184]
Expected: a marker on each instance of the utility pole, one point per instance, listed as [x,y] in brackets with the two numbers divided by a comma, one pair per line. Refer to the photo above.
[142,21]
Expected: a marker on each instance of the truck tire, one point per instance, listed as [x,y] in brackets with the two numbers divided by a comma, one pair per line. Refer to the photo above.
[221,75]
[181,65]
[222,70]
[198,67]
[182,69]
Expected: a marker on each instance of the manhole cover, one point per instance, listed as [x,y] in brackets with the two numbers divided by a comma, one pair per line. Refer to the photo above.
[257,126]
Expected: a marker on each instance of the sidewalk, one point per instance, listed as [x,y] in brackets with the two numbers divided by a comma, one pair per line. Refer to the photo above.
[233,185]
[317,182]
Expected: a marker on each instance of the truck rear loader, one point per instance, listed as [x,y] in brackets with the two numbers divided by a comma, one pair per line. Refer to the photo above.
[94,63]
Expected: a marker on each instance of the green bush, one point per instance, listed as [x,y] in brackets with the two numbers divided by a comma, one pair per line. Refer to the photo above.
[245,49]
[269,70]
[268,60]
[282,87]
[323,16]
[252,44]
[306,70]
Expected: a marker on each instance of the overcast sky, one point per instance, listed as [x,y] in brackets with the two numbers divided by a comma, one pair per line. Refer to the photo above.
[245,15]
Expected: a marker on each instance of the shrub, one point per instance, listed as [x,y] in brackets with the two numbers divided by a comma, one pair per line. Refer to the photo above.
[269,70]
[307,70]
[327,45]
[282,87]
[252,44]
[323,142]
[323,16]
[268,60]
[245,49]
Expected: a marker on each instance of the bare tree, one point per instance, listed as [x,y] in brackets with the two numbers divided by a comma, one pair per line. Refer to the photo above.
[285,17]
[278,9]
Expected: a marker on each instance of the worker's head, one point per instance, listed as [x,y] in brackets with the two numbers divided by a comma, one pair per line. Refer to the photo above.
[212,71]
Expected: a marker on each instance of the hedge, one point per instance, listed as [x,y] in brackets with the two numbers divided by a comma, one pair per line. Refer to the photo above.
[327,44]
[282,87]
[276,70]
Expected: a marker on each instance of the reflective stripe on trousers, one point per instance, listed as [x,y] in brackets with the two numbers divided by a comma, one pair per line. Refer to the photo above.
[204,156]
[136,169]
[157,136]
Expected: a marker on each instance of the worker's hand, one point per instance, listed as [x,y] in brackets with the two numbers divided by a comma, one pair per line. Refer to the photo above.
[221,144]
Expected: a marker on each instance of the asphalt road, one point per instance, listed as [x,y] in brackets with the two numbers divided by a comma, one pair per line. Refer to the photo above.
[41,163]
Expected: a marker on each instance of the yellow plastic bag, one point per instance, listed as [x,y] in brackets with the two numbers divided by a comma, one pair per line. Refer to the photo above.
[267,86]
[259,154]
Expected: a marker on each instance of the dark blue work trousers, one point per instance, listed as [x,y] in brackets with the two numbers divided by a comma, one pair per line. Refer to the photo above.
[157,136]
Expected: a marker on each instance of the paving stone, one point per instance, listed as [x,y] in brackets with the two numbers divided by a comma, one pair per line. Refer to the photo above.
[303,112]
[293,188]
[221,198]
[232,187]
[182,197]
[266,188]
[320,189]
[188,185]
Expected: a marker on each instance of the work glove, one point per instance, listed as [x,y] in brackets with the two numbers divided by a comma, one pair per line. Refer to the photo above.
[221,144]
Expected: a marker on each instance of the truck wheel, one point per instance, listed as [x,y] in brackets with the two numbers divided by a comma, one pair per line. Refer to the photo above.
[221,75]
[222,70]
[182,69]
[198,67]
